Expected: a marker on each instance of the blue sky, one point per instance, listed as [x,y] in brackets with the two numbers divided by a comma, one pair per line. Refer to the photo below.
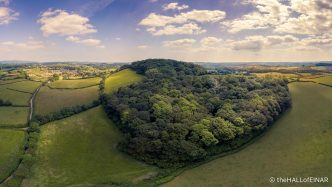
[190,30]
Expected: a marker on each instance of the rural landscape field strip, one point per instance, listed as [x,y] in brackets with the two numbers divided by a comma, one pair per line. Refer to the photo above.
[52,100]
[24,86]
[324,80]
[82,150]
[14,116]
[75,84]
[120,79]
[11,148]
[297,145]
[15,97]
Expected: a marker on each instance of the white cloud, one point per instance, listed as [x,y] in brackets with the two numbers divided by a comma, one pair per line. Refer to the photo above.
[189,28]
[268,13]
[63,23]
[175,6]
[87,42]
[30,44]
[309,17]
[153,1]
[117,39]
[210,42]
[315,17]
[258,42]
[7,15]
[201,16]
[181,43]
[166,24]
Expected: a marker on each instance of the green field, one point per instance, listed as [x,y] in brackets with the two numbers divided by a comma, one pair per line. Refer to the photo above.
[24,86]
[14,116]
[120,79]
[80,151]
[298,145]
[11,148]
[73,84]
[52,100]
[15,97]
[10,81]
[323,80]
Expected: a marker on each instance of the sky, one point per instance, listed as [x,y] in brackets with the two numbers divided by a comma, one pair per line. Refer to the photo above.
[188,30]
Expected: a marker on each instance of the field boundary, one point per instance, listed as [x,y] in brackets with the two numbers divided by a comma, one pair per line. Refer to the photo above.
[19,91]
[11,82]
[72,88]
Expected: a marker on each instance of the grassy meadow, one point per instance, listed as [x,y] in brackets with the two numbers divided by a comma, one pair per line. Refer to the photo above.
[24,86]
[52,100]
[14,116]
[74,84]
[15,97]
[81,151]
[2,82]
[323,80]
[298,145]
[11,149]
[120,79]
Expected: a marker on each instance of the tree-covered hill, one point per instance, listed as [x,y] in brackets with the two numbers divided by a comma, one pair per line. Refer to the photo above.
[179,114]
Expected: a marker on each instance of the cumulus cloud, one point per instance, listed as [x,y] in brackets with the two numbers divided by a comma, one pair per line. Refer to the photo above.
[210,41]
[257,42]
[175,6]
[189,28]
[315,17]
[30,44]
[7,15]
[309,17]
[63,23]
[87,42]
[181,43]
[176,24]
[267,13]
[201,16]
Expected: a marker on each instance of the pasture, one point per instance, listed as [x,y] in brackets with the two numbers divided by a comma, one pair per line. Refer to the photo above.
[120,79]
[323,80]
[74,84]
[52,100]
[81,151]
[24,86]
[11,149]
[15,97]
[297,145]
[289,76]
[14,116]
[2,82]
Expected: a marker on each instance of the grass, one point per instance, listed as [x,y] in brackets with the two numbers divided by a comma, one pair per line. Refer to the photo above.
[11,149]
[74,84]
[277,75]
[15,97]
[120,79]
[298,145]
[14,116]
[81,151]
[10,81]
[323,80]
[24,86]
[52,100]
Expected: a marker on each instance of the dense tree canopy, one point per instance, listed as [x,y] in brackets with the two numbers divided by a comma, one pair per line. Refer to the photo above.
[179,113]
